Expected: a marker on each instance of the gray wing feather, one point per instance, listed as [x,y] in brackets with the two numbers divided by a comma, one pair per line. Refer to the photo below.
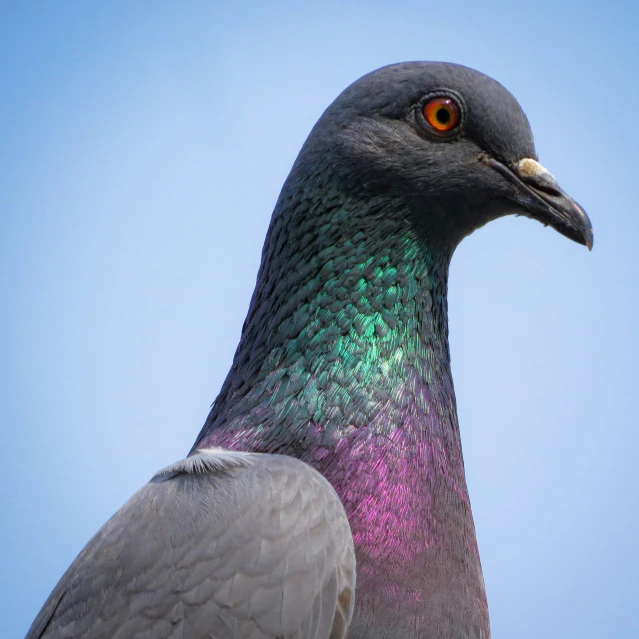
[222,544]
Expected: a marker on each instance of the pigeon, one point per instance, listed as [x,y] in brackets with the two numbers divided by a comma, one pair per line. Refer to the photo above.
[325,494]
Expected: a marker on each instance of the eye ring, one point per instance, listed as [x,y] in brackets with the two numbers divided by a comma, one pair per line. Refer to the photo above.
[442,113]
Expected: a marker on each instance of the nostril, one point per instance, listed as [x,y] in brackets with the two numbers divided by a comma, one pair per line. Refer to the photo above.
[544,188]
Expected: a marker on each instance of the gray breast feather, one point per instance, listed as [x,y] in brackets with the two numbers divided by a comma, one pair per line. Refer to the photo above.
[222,544]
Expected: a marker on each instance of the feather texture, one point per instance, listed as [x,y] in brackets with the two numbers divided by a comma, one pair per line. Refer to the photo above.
[221,544]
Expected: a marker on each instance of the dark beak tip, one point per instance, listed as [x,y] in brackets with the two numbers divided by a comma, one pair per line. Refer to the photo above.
[590,240]
[583,226]
[586,240]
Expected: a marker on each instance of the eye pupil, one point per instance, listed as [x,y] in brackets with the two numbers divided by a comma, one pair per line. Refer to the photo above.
[443,116]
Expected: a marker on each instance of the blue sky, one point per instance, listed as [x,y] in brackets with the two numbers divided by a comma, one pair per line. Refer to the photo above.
[142,147]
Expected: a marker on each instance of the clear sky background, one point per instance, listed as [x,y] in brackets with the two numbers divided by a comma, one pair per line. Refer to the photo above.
[142,148]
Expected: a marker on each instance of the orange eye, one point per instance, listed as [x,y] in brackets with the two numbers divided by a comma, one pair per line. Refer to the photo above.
[442,114]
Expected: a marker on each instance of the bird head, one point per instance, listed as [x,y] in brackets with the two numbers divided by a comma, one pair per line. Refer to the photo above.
[450,144]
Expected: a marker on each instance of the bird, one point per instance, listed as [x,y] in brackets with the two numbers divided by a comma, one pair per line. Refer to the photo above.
[325,495]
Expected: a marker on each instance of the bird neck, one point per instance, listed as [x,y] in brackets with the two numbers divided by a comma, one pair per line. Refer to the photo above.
[345,336]
[344,363]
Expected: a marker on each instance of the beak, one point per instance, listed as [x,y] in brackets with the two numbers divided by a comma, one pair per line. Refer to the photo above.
[539,194]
